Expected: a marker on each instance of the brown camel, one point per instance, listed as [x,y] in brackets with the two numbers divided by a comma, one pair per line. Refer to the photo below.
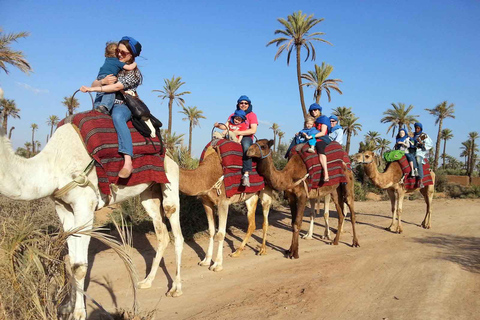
[391,180]
[287,180]
[205,182]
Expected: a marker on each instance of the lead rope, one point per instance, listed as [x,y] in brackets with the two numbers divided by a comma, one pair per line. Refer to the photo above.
[79,181]
[304,183]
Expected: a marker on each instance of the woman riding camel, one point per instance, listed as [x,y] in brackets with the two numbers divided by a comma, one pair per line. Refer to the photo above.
[244,103]
[128,49]
[322,123]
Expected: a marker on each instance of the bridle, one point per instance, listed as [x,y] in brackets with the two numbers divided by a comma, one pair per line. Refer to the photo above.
[261,153]
[363,160]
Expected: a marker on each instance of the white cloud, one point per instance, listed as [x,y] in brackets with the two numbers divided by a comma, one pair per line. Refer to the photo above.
[30,88]
[265,123]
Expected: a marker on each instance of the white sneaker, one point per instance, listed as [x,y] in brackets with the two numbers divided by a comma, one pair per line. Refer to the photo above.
[311,149]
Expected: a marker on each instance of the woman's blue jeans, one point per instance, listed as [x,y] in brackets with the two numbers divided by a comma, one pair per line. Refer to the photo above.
[120,115]
[247,161]
[420,167]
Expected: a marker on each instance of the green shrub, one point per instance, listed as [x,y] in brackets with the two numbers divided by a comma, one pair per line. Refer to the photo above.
[360,194]
[462,192]
[441,181]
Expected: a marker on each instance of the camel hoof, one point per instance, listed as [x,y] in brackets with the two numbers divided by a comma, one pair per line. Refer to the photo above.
[236,254]
[262,252]
[204,263]
[355,244]
[79,314]
[335,242]
[324,237]
[174,293]
[216,268]
[144,284]
[307,237]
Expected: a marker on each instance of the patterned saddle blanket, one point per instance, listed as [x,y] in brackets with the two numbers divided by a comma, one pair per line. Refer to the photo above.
[412,182]
[231,154]
[335,157]
[101,142]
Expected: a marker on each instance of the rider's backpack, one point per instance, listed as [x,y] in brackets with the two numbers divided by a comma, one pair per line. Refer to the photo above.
[145,130]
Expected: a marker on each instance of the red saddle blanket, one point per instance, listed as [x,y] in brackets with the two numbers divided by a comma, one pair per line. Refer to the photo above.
[335,157]
[231,154]
[413,182]
[100,139]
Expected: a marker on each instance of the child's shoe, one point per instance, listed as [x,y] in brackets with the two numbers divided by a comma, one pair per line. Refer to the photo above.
[245,180]
[311,149]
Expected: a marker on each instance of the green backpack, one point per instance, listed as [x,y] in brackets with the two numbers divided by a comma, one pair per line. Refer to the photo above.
[393,155]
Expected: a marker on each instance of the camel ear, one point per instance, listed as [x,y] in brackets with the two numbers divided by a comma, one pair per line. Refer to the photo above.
[270,143]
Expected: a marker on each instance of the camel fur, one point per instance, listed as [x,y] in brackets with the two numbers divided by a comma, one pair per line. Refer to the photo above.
[391,180]
[62,159]
[285,180]
[199,182]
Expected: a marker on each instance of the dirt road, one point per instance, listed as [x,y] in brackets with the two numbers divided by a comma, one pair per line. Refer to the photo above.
[420,274]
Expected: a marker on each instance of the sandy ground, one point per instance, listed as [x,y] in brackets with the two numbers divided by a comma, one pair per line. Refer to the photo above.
[420,274]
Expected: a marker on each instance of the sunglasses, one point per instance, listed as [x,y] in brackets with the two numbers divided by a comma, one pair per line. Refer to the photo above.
[333,120]
[121,53]
[243,102]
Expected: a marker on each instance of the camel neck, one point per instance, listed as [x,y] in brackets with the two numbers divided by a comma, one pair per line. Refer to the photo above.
[386,179]
[279,180]
[193,182]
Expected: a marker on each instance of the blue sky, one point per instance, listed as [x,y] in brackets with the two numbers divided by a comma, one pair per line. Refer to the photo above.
[414,52]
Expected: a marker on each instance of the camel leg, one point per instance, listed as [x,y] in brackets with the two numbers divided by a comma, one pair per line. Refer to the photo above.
[326,216]
[338,200]
[297,226]
[209,207]
[78,214]
[266,198]
[313,209]
[393,202]
[350,203]
[401,196]
[220,236]
[292,202]
[251,208]
[427,193]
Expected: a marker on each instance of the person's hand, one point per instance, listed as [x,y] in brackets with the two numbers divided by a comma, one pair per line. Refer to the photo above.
[216,125]
[110,79]
[84,88]
[296,134]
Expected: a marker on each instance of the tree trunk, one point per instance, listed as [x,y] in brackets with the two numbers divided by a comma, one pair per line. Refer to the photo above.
[444,148]
[10,133]
[274,140]
[437,146]
[347,147]
[299,79]
[51,131]
[170,104]
[33,141]
[5,120]
[190,139]
[319,95]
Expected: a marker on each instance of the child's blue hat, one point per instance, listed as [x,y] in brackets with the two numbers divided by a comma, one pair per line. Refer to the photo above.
[239,113]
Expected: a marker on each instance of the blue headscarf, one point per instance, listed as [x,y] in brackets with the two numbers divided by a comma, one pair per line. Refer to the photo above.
[134,44]
[314,106]
[416,134]
[324,120]
[337,126]
[400,139]
[245,98]
[238,113]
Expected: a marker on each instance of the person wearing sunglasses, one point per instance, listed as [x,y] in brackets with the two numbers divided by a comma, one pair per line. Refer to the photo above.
[128,48]
[244,103]
[336,131]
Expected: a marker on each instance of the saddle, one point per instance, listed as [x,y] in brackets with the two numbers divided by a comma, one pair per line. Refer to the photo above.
[335,158]
[413,182]
[100,139]
[231,154]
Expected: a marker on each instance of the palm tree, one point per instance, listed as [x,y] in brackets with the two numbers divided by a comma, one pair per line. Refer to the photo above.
[172,141]
[295,36]
[441,111]
[318,79]
[472,136]
[342,113]
[170,91]
[38,144]
[350,126]
[383,145]
[398,117]
[34,127]
[12,57]
[445,135]
[280,134]
[10,132]
[373,136]
[8,108]
[52,121]
[193,116]
[28,145]
[71,103]
[274,127]
[464,154]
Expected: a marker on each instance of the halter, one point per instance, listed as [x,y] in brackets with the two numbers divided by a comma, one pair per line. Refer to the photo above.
[363,159]
[261,153]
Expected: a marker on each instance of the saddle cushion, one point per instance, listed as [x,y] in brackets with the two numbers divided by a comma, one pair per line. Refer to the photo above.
[335,157]
[413,182]
[101,142]
[231,154]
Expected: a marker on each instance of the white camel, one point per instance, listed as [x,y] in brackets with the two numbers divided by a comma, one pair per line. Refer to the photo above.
[63,159]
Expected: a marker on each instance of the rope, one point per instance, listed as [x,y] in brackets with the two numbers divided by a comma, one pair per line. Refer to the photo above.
[79,181]
[304,183]
[217,186]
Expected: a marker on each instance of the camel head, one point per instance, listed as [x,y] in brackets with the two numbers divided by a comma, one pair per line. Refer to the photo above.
[260,149]
[365,157]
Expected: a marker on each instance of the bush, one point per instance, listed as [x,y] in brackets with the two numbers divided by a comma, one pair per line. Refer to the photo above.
[441,181]
[462,192]
[360,194]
